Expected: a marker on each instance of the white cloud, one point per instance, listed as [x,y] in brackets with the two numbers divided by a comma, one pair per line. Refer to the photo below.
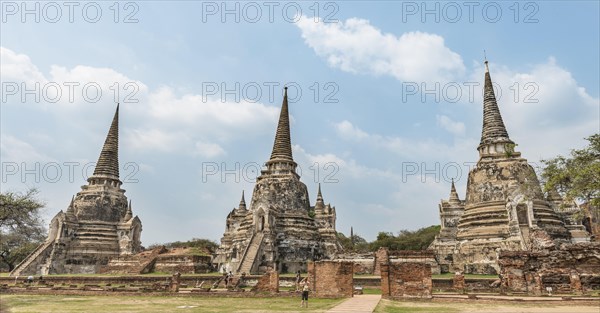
[348,131]
[16,150]
[208,149]
[413,148]
[456,128]
[358,47]
[160,120]
[18,68]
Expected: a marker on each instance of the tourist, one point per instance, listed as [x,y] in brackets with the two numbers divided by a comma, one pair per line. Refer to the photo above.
[305,290]
[30,279]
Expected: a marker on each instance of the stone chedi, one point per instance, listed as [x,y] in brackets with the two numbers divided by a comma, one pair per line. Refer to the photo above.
[505,208]
[97,225]
[445,242]
[280,230]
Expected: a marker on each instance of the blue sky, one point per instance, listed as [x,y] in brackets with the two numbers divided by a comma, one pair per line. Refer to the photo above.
[385,151]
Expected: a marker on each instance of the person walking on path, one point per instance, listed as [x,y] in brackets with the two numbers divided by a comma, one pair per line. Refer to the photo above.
[305,290]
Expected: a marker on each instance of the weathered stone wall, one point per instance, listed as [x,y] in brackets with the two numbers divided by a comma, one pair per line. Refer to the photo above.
[364,263]
[331,279]
[269,282]
[188,264]
[573,268]
[383,255]
[406,280]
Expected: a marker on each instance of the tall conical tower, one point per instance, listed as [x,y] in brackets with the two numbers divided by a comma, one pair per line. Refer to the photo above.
[280,229]
[97,225]
[505,208]
[108,161]
[281,161]
[495,142]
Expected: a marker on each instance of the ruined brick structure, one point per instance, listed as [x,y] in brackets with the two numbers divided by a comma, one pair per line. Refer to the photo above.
[280,230]
[331,278]
[269,282]
[97,225]
[384,255]
[406,280]
[505,208]
[573,268]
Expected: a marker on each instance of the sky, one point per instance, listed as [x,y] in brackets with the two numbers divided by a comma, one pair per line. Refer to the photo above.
[385,100]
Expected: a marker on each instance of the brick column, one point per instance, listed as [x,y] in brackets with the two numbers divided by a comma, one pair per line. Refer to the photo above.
[384,269]
[576,282]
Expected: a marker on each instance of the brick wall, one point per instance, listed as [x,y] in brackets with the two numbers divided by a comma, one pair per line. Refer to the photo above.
[331,279]
[406,280]
[573,268]
[269,282]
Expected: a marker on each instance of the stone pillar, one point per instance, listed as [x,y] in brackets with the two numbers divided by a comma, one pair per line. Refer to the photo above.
[174,285]
[576,282]
[458,282]
[381,256]
[534,283]
[385,279]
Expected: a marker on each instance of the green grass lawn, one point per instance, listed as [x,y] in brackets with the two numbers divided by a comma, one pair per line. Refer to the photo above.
[147,304]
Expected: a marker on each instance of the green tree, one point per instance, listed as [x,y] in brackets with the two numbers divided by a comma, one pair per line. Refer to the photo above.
[21,226]
[576,177]
[406,240]
[199,246]
[360,244]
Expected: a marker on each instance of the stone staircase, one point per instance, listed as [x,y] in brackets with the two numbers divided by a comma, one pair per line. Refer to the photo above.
[101,235]
[33,256]
[250,254]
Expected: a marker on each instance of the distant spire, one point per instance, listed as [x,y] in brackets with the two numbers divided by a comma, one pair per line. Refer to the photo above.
[319,195]
[242,205]
[71,208]
[320,205]
[108,162]
[493,130]
[282,147]
[352,236]
[129,213]
[453,194]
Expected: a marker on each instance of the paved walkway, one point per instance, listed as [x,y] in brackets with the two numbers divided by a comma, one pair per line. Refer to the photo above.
[357,304]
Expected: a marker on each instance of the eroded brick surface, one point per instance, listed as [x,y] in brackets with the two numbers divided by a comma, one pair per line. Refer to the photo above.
[406,280]
[331,278]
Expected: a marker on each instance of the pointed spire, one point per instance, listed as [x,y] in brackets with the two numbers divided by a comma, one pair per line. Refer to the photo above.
[320,203]
[493,127]
[352,236]
[108,162]
[282,147]
[242,205]
[319,195]
[453,194]
[129,213]
[71,208]
[495,142]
